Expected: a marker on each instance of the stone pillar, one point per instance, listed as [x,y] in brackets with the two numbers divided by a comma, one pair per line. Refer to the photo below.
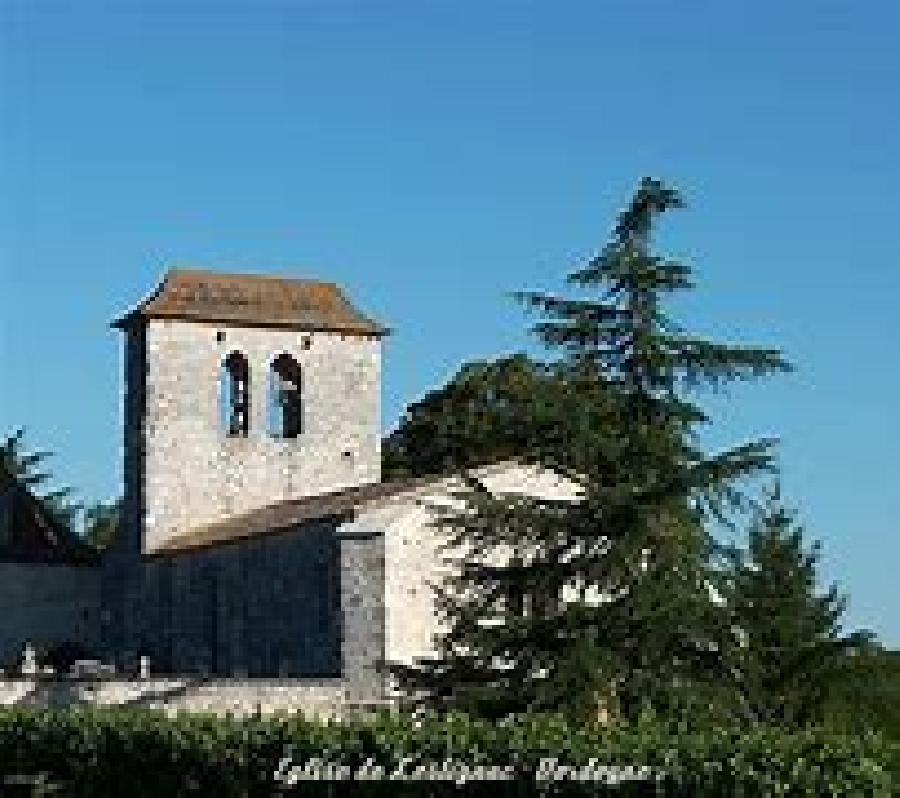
[362,610]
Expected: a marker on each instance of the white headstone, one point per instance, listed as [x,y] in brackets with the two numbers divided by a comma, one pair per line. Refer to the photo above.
[29,660]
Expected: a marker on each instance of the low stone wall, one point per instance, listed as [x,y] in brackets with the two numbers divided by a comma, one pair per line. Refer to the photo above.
[324,698]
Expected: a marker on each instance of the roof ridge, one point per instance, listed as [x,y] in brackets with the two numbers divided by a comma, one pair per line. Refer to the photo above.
[278,516]
[191,270]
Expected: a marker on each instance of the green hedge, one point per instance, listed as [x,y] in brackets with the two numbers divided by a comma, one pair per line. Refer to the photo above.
[101,752]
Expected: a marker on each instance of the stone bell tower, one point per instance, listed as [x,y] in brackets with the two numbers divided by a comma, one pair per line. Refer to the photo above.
[242,391]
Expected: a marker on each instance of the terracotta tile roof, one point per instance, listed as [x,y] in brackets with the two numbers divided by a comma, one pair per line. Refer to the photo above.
[252,300]
[278,517]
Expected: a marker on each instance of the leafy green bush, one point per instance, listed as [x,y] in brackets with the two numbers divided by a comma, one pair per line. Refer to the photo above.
[137,752]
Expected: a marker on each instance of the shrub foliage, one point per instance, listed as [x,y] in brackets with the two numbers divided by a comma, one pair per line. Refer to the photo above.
[141,752]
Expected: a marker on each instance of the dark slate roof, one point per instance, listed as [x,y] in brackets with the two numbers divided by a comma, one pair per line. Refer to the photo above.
[280,516]
[252,300]
[35,535]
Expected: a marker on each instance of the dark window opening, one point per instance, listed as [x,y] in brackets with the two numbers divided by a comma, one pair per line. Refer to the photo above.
[286,398]
[236,395]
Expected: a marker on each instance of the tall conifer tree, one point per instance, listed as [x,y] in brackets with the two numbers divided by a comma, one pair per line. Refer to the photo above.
[558,604]
[650,503]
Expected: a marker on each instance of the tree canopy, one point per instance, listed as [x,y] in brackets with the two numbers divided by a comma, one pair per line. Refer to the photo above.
[29,468]
[512,408]
[95,524]
[792,652]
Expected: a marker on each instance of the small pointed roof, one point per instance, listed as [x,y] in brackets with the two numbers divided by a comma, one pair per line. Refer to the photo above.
[252,300]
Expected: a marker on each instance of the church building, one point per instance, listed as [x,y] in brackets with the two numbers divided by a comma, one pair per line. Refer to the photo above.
[257,539]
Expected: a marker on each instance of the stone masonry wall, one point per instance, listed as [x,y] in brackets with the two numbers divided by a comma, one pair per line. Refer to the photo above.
[192,474]
[46,604]
[267,606]
[307,601]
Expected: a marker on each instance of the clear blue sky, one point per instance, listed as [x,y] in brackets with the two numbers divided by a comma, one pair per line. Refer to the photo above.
[431,156]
